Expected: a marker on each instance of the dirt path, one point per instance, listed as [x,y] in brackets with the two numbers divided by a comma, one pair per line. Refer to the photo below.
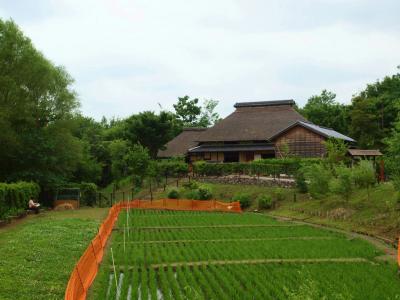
[380,243]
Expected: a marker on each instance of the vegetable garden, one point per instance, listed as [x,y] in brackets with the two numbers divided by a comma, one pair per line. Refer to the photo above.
[158,254]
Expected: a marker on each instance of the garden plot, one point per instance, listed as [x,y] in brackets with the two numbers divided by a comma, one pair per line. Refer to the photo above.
[204,255]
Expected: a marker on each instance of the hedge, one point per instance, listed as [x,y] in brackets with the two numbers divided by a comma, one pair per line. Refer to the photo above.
[14,197]
[264,167]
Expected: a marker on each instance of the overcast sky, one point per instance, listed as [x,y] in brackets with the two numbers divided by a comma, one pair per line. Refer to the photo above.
[128,56]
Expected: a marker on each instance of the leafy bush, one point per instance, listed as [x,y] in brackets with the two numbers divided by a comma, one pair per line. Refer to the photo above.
[342,184]
[318,177]
[191,185]
[301,183]
[364,175]
[204,193]
[396,185]
[88,193]
[265,167]
[279,194]
[173,194]
[243,198]
[264,202]
[14,197]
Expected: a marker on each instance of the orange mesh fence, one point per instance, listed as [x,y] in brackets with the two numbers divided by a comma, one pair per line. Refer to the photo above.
[398,253]
[86,269]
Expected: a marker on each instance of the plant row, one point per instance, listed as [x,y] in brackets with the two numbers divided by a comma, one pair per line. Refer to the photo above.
[14,197]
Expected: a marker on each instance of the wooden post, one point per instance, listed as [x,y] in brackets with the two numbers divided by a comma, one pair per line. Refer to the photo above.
[151,192]
[111,199]
[382,171]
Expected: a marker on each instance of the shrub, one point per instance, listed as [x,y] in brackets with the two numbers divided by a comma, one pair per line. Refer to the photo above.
[318,177]
[244,199]
[192,194]
[343,183]
[88,193]
[264,202]
[279,195]
[173,194]
[301,183]
[14,197]
[396,185]
[364,175]
[204,193]
[191,185]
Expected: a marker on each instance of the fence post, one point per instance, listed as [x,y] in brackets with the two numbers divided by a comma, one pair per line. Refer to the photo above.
[123,196]
[94,252]
[111,199]
[80,279]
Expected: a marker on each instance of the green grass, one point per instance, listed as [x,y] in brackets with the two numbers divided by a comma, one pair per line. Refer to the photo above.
[161,247]
[39,253]
[377,215]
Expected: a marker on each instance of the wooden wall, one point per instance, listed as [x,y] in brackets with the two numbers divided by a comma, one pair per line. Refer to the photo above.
[300,142]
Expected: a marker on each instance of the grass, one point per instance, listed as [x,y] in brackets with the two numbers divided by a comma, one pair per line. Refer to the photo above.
[379,215]
[162,247]
[39,253]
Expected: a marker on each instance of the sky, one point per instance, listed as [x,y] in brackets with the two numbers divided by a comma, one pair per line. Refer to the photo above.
[128,56]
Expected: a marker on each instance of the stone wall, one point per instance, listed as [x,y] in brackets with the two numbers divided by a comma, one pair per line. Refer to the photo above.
[249,180]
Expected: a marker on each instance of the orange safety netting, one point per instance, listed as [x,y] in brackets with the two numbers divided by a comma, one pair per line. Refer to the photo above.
[86,269]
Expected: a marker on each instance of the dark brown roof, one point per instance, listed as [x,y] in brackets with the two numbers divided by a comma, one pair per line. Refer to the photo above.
[181,143]
[360,152]
[253,122]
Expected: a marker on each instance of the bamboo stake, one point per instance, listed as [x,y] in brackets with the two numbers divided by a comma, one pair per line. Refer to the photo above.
[115,273]
[124,237]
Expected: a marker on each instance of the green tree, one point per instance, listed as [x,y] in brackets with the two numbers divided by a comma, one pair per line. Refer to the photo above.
[208,116]
[374,112]
[151,130]
[336,151]
[364,175]
[342,184]
[187,111]
[36,106]
[324,110]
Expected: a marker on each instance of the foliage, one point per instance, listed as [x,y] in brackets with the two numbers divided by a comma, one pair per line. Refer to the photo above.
[204,193]
[375,111]
[243,198]
[151,130]
[265,167]
[191,185]
[324,110]
[336,151]
[396,185]
[191,114]
[88,193]
[278,194]
[187,110]
[173,194]
[14,197]
[342,184]
[300,179]
[364,175]
[318,177]
[264,202]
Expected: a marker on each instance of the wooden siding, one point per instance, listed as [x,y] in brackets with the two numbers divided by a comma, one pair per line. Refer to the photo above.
[300,142]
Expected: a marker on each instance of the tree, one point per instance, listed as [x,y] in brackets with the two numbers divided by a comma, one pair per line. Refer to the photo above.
[342,184]
[150,130]
[190,114]
[138,160]
[208,116]
[36,106]
[336,150]
[364,175]
[324,110]
[187,111]
[374,112]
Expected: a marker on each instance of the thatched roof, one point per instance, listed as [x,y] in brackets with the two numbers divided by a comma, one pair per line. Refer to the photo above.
[181,143]
[253,121]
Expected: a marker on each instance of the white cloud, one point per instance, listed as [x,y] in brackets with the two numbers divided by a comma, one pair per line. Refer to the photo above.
[128,56]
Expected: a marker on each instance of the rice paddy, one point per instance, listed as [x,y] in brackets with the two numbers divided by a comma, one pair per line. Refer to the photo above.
[204,255]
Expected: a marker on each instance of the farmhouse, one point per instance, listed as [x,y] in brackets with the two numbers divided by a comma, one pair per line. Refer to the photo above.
[255,130]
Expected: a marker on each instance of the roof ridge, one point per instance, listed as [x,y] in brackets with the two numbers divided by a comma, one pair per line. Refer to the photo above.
[265,103]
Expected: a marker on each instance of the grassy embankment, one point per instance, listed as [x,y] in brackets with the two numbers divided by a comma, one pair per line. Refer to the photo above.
[378,215]
[39,252]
